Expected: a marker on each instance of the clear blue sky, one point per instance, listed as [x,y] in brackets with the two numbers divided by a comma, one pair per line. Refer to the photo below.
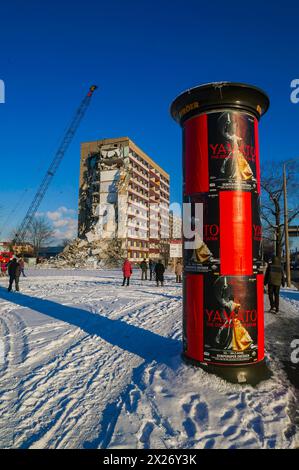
[142,54]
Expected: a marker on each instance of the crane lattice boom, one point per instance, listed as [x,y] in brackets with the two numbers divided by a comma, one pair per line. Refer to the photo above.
[25,224]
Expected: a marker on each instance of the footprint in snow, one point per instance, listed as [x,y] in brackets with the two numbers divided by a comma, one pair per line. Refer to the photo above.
[258,426]
[132,401]
[201,414]
[271,444]
[146,433]
[209,444]
[227,415]
[188,405]
[189,427]
[278,409]
[230,431]
[242,403]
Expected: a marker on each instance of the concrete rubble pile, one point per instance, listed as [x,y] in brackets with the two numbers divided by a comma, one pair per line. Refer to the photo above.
[81,253]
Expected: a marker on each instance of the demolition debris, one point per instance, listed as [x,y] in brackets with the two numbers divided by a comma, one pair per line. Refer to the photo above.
[87,254]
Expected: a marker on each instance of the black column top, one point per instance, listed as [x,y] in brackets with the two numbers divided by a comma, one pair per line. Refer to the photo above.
[217,96]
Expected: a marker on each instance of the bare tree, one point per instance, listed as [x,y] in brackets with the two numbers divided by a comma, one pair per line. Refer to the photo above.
[164,251]
[272,208]
[40,232]
[66,241]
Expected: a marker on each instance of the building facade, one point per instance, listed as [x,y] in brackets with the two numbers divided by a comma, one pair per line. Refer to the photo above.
[124,195]
[175,226]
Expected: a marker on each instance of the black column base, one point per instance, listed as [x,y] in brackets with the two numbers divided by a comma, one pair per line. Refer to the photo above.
[250,374]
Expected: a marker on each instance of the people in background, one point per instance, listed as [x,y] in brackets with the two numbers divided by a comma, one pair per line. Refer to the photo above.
[151,266]
[274,277]
[143,266]
[22,265]
[154,270]
[178,271]
[14,272]
[3,268]
[159,271]
[127,271]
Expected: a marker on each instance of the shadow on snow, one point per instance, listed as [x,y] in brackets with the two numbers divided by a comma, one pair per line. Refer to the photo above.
[150,346]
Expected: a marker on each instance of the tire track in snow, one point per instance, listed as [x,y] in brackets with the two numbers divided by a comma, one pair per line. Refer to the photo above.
[15,341]
[114,398]
[57,385]
[136,387]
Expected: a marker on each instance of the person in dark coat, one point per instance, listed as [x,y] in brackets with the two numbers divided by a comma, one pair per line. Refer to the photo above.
[151,266]
[159,270]
[127,271]
[274,277]
[143,266]
[14,271]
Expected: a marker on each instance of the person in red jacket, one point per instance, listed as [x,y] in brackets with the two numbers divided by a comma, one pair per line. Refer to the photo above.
[127,271]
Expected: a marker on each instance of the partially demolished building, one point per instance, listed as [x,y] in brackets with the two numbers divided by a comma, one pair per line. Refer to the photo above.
[124,196]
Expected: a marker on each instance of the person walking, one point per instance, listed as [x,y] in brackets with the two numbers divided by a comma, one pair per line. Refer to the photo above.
[143,266]
[3,268]
[151,268]
[22,265]
[159,270]
[14,272]
[178,271]
[154,269]
[127,271]
[274,277]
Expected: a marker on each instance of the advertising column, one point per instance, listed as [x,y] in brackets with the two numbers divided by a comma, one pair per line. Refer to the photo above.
[223,268]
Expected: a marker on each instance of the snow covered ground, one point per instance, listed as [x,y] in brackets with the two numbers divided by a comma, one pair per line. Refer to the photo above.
[88,363]
[292,295]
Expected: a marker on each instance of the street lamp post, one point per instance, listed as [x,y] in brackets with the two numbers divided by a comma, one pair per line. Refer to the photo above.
[286,228]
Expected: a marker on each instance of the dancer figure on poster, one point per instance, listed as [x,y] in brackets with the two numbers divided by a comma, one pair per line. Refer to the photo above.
[235,165]
[232,335]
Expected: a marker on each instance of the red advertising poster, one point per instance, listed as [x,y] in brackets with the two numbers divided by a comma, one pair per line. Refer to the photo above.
[229,240]
[203,255]
[222,318]
[232,151]
[221,153]
[230,319]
